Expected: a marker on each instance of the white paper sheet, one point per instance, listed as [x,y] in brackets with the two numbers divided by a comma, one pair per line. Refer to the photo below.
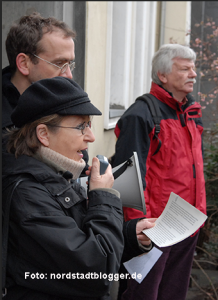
[178,221]
[139,266]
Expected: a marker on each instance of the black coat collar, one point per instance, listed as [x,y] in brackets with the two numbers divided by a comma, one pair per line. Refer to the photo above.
[15,167]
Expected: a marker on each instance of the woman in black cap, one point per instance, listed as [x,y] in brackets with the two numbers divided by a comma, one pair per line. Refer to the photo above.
[60,246]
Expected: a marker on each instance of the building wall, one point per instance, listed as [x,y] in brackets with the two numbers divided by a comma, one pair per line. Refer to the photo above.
[158,26]
[177,22]
[96,25]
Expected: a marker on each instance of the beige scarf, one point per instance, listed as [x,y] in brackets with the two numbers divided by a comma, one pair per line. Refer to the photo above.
[60,162]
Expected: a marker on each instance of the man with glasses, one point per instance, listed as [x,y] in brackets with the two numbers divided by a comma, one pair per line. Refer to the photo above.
[37,48]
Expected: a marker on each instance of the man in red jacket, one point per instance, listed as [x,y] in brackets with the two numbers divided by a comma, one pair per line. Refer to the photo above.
[177,166]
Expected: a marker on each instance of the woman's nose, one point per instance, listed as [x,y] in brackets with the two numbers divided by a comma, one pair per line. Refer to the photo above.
[89,135]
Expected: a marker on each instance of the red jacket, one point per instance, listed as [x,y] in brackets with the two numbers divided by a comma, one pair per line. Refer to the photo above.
[178,165]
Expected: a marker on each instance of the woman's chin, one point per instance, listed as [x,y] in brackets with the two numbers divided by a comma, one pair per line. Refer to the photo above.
[77,158]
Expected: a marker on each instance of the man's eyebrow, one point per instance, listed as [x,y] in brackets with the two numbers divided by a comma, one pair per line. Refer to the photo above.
[62,59]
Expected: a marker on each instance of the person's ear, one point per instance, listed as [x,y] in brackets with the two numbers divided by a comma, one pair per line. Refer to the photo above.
[162,77]
[22,62]
[42,134]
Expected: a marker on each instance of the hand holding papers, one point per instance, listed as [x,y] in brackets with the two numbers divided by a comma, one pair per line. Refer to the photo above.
[178,221]
[140,226]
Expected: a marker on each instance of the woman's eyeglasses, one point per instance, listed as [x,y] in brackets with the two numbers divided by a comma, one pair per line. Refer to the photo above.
[82,127]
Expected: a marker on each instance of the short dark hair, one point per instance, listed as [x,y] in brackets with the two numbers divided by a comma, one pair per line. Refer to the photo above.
[24,36]
[24,141]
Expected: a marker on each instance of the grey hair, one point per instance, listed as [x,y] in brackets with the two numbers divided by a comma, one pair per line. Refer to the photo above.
[163,59]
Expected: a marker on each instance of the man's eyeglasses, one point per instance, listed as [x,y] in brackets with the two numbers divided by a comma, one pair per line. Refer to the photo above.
[63,68]
[81,127]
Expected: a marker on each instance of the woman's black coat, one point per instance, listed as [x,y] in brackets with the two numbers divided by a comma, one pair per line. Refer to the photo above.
[58,243]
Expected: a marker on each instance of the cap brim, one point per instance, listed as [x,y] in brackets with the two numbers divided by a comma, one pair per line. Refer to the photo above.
[86,108]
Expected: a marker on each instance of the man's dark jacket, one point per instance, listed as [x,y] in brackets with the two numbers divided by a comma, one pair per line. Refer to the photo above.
[10,96]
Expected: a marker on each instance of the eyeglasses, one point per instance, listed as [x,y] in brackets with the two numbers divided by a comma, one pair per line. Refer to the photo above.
[63,68]
[81,127]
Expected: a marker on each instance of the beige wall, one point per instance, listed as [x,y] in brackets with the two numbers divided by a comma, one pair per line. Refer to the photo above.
[176,22]
[95,75]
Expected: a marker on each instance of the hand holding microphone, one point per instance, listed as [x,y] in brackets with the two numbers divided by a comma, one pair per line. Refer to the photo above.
[100,174]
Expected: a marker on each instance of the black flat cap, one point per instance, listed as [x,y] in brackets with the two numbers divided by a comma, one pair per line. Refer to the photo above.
[50,96]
